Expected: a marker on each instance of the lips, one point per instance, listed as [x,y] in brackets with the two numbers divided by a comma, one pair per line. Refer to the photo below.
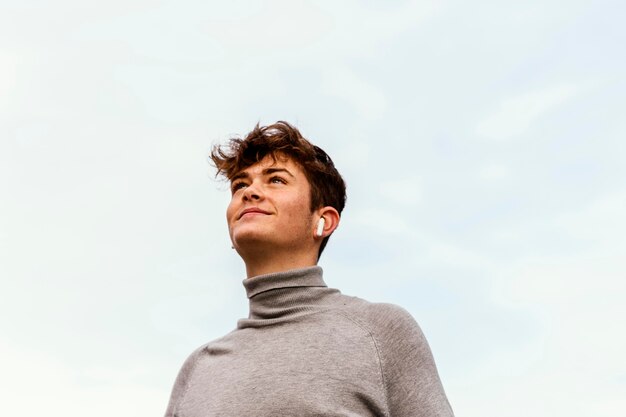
[252,210]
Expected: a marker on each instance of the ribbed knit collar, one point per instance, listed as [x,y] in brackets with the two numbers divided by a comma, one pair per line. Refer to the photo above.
[284,295]
[302,277]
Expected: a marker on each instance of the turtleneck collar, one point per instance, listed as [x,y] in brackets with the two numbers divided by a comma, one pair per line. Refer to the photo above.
[302,277]
[281,296]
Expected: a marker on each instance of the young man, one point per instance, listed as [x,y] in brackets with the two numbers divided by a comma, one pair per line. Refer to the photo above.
[305,349]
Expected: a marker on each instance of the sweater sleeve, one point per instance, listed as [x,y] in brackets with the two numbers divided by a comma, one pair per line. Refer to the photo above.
[181,383]
[409,373]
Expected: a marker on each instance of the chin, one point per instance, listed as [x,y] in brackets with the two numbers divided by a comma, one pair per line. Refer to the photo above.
[244,239]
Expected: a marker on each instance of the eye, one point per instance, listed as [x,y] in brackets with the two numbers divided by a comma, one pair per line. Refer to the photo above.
[277,180]
[237,186]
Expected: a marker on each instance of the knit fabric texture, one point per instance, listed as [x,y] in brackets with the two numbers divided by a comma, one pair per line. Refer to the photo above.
[308,350]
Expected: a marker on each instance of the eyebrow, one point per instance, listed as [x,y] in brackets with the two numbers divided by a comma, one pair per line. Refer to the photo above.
[266,171]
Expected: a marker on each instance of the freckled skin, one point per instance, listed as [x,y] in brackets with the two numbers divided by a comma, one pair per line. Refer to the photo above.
[285,230]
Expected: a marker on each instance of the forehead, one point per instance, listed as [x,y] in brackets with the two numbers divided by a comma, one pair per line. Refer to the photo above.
[278,161]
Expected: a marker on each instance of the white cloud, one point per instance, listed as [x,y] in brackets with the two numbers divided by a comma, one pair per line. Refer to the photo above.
[578,366]
[443,253]
[493,172]
[405,191]
[279,24]
[380,220]
[368,99]
[602,221]
[8,78]
[35,384]
[373,25]
[515,115]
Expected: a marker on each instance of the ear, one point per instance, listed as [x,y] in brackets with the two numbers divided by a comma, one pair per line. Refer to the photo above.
[331,221]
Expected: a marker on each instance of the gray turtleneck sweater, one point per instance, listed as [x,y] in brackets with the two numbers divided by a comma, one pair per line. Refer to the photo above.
[308,350]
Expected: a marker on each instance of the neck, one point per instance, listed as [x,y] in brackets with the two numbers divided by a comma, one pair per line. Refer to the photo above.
[267,263]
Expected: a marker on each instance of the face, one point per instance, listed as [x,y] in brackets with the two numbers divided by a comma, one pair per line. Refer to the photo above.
[270,205]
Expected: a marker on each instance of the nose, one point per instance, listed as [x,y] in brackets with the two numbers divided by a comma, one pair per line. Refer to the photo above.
[252,192]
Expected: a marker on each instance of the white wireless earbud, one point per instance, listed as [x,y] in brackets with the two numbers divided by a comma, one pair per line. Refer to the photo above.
[320,227]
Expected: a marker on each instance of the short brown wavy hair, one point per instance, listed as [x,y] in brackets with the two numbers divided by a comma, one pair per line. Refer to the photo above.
[327,186]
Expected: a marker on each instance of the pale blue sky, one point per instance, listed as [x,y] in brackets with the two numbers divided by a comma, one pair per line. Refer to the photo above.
[483,148]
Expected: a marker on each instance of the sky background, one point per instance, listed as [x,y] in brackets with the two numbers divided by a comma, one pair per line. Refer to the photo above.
[483,145]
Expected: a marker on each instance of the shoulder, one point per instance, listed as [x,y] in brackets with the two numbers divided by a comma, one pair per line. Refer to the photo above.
[187,370]
[385,314]
[409,373]
[188,366]
[182,381]
[214,347]
[392,328]
[382,318]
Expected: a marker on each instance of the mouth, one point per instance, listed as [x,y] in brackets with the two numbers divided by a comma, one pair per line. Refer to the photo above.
[252,211]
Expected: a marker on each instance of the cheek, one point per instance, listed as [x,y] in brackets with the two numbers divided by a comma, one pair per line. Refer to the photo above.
[301,213]
[230,211]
